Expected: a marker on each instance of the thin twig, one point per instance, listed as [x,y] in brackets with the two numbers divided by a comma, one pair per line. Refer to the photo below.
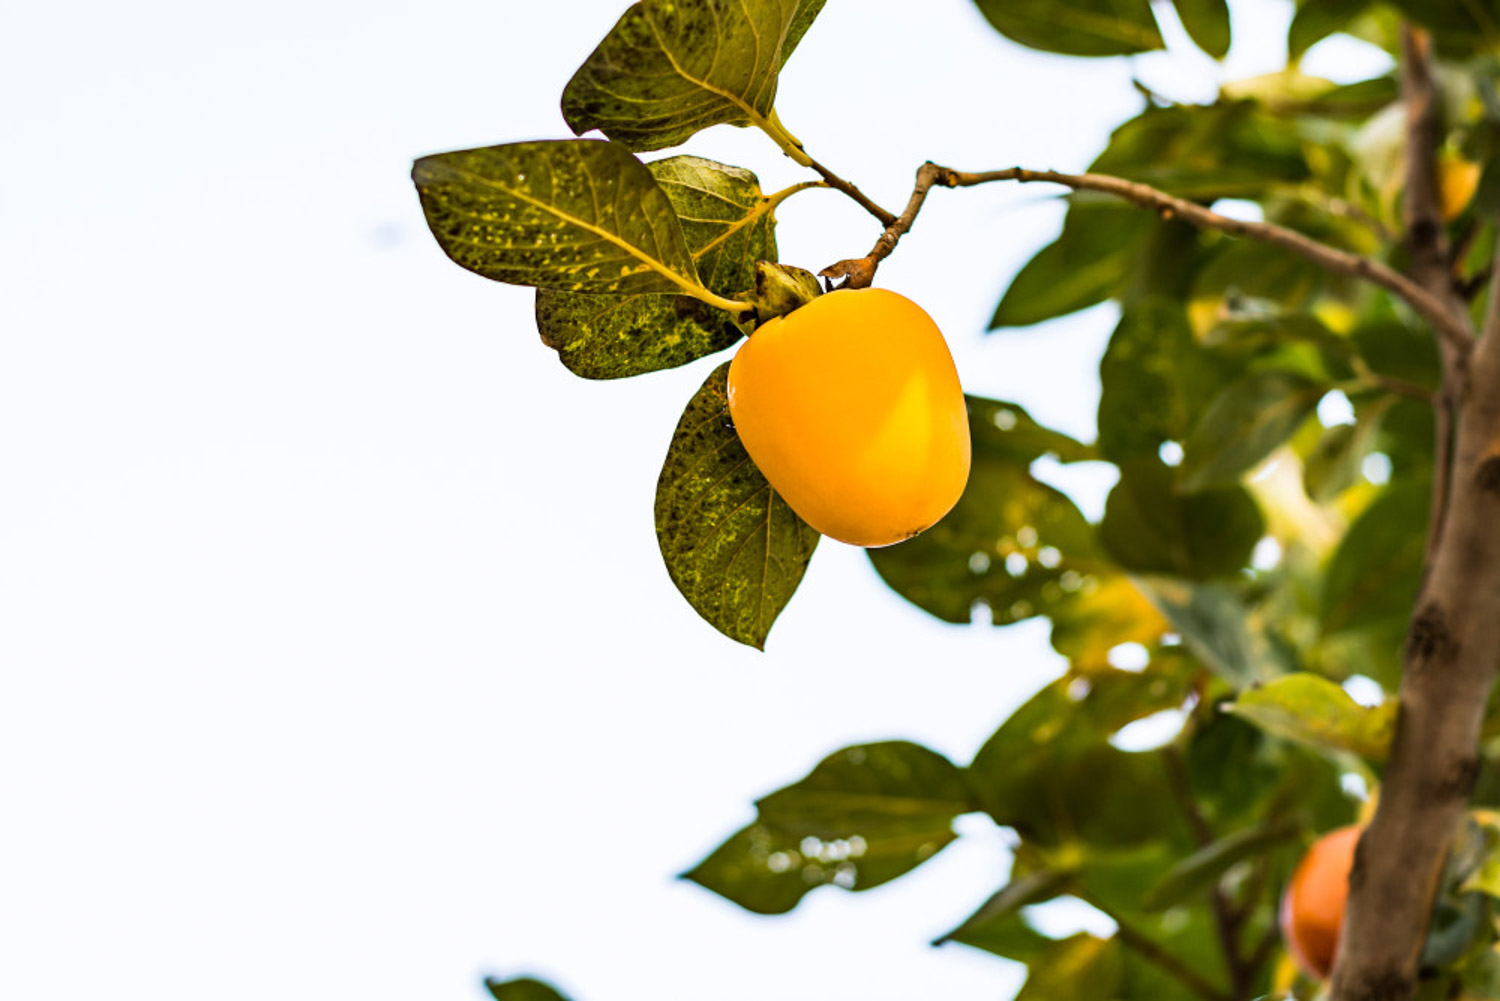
[1452,329]
[1262,951]
[1227,919]
[835,181]
[792,147]
[1164,960]
[1400,387]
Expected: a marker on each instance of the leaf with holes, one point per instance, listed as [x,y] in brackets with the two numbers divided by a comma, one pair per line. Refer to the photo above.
[576,215]
[733,547]
[728,225]
[862,817]
[1316,712]
[670,68]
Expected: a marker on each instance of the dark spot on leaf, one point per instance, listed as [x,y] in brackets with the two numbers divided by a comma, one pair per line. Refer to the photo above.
[687,306]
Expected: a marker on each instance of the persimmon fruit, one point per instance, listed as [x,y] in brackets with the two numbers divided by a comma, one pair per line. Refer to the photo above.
[1312,909]
[851,407]
[1458,182]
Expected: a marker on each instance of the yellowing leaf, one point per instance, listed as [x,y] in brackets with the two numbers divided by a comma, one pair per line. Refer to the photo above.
[1312,710]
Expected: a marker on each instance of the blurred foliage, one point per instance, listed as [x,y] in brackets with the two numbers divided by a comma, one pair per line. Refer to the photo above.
[1257,557]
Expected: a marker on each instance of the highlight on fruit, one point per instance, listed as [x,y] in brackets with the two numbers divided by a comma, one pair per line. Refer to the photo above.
[851,407]
[1312,910]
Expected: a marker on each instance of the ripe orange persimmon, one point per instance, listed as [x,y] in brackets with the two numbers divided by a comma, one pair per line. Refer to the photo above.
[851,407]
[1312,910]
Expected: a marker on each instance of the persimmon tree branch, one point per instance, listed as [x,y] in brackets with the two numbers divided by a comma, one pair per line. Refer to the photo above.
[1434,308]
[1453,641]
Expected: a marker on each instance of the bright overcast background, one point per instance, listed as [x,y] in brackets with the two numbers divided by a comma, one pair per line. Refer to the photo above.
[338,658]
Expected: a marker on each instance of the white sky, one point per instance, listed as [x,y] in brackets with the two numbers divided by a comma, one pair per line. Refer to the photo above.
[338,659]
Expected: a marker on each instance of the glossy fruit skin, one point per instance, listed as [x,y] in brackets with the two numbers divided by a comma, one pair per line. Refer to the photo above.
[1312,910]
[852,408]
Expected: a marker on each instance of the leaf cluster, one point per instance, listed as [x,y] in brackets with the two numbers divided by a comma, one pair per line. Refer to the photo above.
[1268,425]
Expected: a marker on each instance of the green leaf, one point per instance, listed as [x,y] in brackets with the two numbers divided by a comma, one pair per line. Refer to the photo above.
[1207,24]
[1220,628]
[1481,976]
[1246,276]
[877,790]
[1050,772]
[1076,27]
[1313,711]
[1201,871]
[1254,326]
[999,428]
[1243,425]
[1154,380]
[1376,570]
[1315,20]
[1149,527]
[522,989]
[1089,262]
[1110,610]
[669,68]
[1012,542]
[1075,968]
[1337,461]
[575,215]
[1231,149]
[1481,838]
[862,817]
[1240,776]
[1398,350]
[733,547]
[1459,28]
[728,225]
[997,926]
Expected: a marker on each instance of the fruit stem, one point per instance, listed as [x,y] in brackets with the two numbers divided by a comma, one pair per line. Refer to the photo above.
[777,197]
[781,288]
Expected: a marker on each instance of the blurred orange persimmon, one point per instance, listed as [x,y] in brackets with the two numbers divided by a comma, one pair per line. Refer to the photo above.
[1312,910]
